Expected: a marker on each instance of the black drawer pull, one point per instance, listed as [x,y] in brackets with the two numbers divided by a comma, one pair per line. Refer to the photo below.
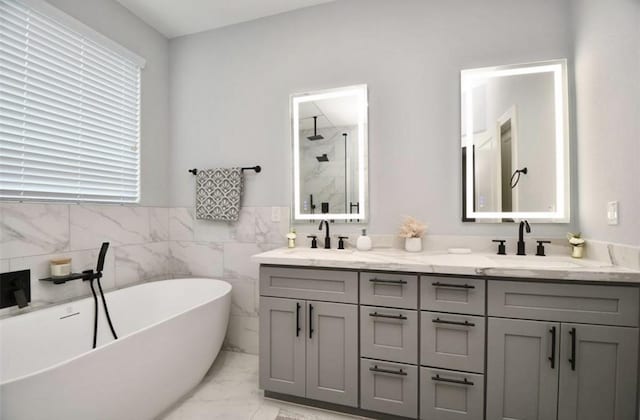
[552,358]
[310,321]
[572,360]
[465,381]
[297,319]
[375,368]
[464,324]
[456,286]
[377,315]
[398,282]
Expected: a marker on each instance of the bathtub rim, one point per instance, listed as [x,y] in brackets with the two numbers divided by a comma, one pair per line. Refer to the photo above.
[176,315]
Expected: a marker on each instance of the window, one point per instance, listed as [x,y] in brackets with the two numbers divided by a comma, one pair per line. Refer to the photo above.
[69,109]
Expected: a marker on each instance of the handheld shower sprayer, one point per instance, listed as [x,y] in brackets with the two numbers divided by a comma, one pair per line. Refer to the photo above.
[91,276]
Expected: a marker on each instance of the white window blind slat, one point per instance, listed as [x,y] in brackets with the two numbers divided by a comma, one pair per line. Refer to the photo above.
[69,111]
[70,121]
[68,87]
[15,91]
[49,65]
[43,126]
[67,138]
[35,108]
[21,161]
[64,158]
[126,158]
[17,169]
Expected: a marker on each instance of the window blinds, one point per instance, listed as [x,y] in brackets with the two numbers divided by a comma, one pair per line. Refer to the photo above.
[69,113]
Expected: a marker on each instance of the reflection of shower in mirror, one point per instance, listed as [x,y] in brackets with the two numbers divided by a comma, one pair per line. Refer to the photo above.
[315,135]
[329,143]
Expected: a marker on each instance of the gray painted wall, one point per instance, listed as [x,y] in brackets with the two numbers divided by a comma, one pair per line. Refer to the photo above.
[114,21]
[230,94]
[607,63]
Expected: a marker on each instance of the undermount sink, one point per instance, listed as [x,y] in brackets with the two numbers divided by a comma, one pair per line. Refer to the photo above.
[517,261]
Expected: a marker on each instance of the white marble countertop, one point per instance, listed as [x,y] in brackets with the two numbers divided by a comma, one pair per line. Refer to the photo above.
[476,264]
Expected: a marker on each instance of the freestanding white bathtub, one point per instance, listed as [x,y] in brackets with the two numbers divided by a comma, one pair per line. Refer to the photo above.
[170,332]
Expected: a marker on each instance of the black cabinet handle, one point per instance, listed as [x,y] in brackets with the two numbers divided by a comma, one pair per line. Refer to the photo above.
[297,319]
[456,286]
[400,372]
[572,360]
[552,358]
[464,381]
[377,315]
[398,282]
[310,321]
[443,321]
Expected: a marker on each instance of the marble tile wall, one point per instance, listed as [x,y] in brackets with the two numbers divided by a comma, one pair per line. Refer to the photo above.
[147,243]
[223,250]
[32,234]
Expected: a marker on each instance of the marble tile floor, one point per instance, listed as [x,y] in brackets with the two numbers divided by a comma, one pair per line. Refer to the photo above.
[230,391]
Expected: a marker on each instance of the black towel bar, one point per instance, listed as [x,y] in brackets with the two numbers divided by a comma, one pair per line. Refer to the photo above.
[256,168]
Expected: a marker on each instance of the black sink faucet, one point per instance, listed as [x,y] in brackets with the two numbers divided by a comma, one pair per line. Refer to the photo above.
[327,238]
[523,224]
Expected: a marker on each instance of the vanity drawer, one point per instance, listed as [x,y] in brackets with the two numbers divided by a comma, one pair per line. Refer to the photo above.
[448,395]
[390,388]
[389,334]
[451,294]
[302,283]
[452,341]
[393,290]
[608,305]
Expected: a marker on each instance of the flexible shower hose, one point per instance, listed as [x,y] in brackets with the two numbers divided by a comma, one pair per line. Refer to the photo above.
[97,276]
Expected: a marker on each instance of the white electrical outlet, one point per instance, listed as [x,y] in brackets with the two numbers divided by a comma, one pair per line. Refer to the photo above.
[275,214]
[612,212]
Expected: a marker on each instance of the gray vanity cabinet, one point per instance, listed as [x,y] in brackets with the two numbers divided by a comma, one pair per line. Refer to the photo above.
[522,369]
[309,348]
[600,383]
[282,345]
[443,347]
[566,368]
[332,353]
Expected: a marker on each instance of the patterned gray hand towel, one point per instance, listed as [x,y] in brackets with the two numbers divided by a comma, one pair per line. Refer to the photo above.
[218,194]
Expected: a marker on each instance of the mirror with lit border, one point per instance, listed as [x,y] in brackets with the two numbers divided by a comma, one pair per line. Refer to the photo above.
[329,138]
[515,143]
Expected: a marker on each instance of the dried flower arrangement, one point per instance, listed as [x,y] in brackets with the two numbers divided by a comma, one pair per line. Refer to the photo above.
[575,239]
[412,228]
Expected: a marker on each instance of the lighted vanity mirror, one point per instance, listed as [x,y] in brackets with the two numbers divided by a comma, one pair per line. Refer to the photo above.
[515,143]
[329,136]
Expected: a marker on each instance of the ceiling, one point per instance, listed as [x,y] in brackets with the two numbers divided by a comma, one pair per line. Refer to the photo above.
[176,18]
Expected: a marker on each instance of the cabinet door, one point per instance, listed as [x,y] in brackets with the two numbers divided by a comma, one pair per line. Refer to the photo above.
[282,345]
[522,369]
[332,353]
[598,372]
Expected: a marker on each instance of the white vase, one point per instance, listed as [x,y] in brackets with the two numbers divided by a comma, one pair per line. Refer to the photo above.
[577,251]
[413,244]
